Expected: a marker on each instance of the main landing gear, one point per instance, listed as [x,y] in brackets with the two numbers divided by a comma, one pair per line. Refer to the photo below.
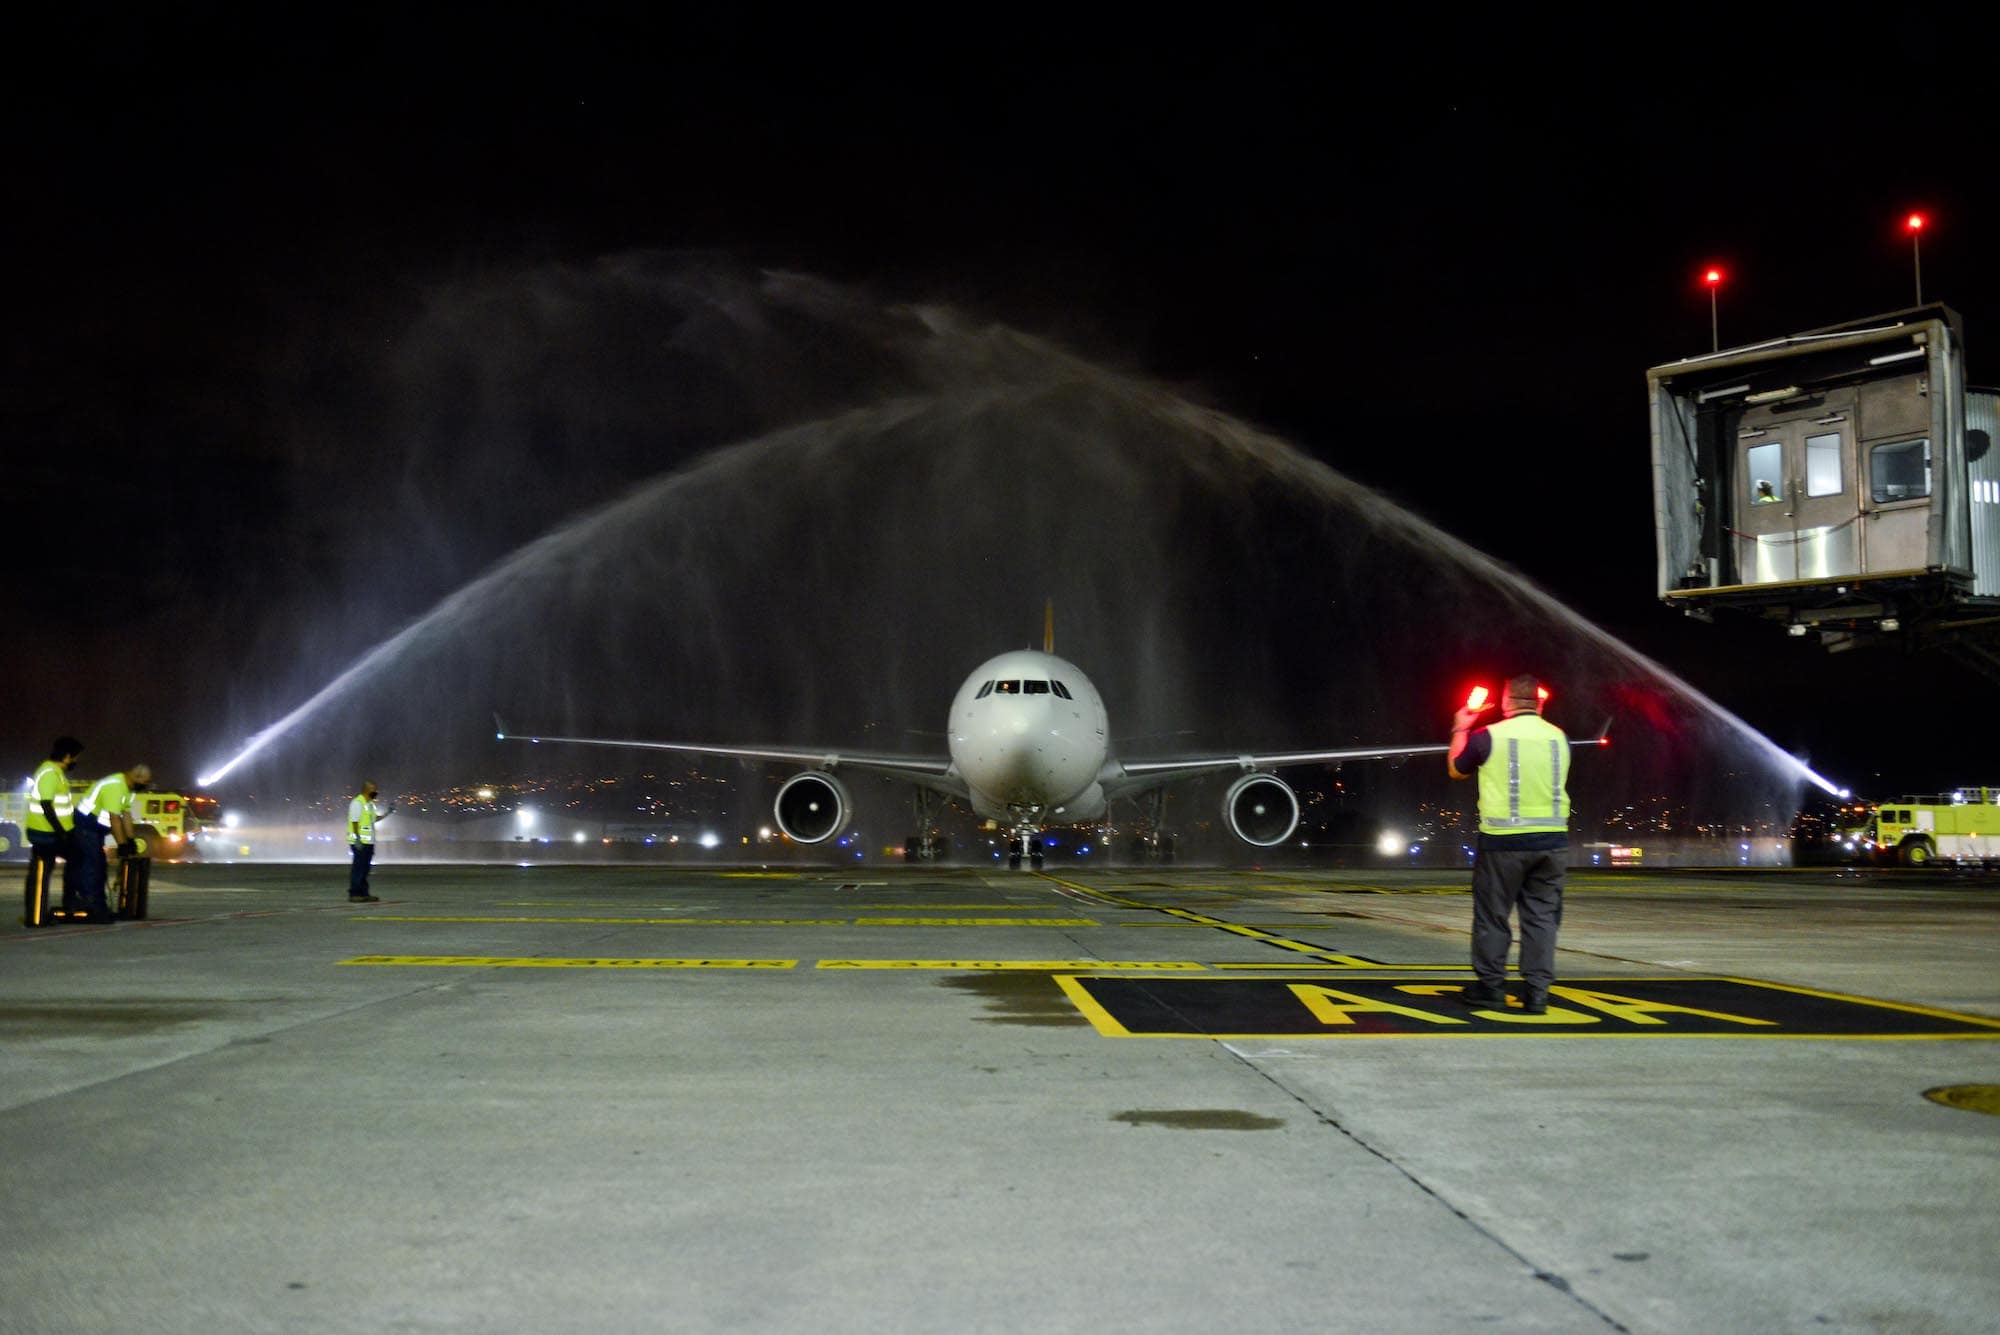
[929,845]
[1156,845]
[926,848]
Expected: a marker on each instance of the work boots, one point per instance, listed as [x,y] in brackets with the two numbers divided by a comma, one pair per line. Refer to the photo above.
[1483,996]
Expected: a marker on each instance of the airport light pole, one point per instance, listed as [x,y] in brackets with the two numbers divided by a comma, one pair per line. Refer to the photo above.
[1713,279]
[1914,224]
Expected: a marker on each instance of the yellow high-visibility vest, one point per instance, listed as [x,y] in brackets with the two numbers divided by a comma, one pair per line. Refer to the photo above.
[50,784]
[109,796]
[1523,786]
[361,818]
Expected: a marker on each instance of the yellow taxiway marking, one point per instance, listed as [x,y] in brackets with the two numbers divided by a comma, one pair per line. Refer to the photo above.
[551,962]
[666,922]
[976,922]
[1017,908]
[1219,924]
[1259,926]
[1043,966]
[1338,1017]
[736,922]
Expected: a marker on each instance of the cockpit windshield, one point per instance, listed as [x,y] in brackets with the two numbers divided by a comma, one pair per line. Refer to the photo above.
[1023,688]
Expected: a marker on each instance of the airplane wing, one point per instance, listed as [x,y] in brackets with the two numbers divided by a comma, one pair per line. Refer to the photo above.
[1125,778]
[935,773]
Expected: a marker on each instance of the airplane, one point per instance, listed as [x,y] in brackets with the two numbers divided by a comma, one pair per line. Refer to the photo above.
[1029,746]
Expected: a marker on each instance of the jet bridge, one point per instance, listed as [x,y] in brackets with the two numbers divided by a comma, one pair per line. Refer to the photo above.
[1841,482]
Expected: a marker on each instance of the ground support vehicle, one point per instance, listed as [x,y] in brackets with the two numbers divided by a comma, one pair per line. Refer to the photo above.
[1961,826]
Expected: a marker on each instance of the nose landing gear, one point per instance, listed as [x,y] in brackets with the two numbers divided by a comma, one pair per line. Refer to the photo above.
[1027,846]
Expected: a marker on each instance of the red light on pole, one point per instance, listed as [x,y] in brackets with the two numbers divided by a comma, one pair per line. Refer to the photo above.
[1712,279]
[1914,225]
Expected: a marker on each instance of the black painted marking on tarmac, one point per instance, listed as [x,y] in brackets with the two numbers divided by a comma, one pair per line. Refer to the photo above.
[1320,1007]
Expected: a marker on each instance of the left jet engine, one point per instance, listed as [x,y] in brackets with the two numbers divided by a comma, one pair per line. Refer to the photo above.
[811,807]
[1261,809]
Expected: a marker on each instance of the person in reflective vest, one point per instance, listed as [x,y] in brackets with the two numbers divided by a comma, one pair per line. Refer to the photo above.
[50,827]
[106,808]
[1523,767]
[362,813]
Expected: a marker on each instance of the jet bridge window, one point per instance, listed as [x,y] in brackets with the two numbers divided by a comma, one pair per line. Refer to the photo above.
[984,691]
[1766,464]
[1007,687]
[1900,472]
[1062,690]
[1036,687]
[1823,464]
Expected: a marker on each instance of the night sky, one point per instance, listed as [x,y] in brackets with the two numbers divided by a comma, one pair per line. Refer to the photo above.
[1439,258]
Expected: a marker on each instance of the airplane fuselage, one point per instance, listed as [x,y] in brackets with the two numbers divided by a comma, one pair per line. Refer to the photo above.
[1029,738]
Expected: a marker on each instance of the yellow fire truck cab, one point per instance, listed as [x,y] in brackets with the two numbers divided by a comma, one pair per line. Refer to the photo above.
[177,817]
[1960,826]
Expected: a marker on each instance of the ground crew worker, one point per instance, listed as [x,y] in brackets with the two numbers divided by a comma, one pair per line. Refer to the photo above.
[107,806]
[51,816]
[1765,495]
[1523,767]
[362,813]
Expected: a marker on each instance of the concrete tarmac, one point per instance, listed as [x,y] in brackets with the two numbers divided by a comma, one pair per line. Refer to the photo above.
[676,1098]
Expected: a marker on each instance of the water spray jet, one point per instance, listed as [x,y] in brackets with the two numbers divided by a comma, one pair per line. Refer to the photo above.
[665,588]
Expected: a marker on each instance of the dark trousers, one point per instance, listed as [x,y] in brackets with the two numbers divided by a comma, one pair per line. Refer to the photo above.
[357,875]
[44,847]
[1532,885]
[87,856]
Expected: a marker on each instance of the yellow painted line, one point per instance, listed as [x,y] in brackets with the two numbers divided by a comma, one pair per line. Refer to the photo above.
[976,922]
[739,922]
[668,922]
[1255,934]
[1211,926]
[1108,1026]
[550,962]
[1931,1011]
[1017,908]
[761,875]
[1041,966]
[1100,1019]
[1353,962]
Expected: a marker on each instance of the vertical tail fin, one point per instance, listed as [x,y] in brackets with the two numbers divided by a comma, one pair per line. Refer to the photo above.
[1049,626]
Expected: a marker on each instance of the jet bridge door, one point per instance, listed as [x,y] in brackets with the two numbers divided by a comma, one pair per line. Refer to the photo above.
[1798,495]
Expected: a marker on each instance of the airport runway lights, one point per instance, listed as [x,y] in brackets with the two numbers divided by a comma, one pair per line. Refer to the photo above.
[1711,279]
[1914,225]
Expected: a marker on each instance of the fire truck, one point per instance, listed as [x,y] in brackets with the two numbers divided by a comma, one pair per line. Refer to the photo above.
[1960,826]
